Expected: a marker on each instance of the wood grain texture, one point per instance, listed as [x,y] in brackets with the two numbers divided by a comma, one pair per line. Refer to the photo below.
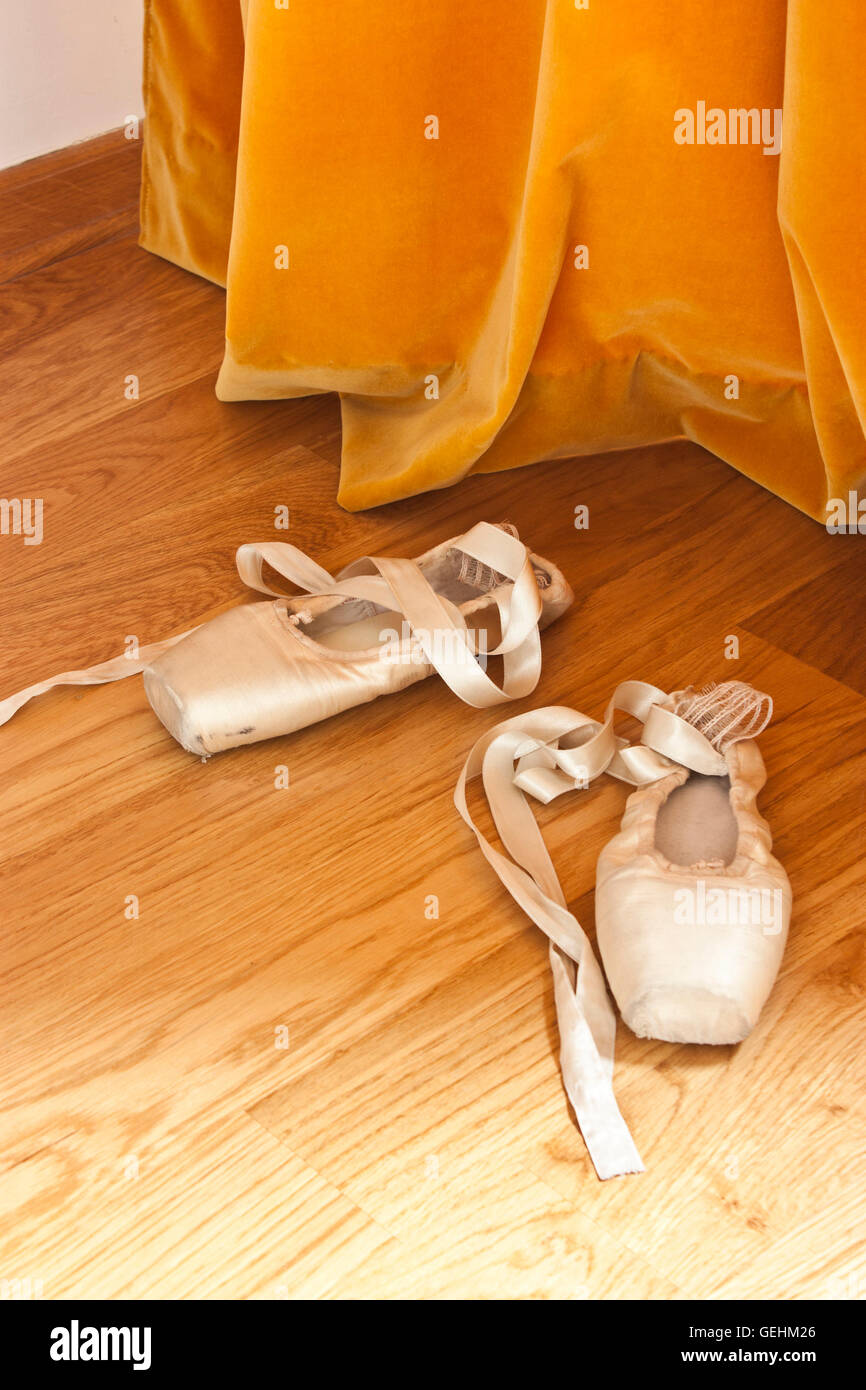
[412,1139]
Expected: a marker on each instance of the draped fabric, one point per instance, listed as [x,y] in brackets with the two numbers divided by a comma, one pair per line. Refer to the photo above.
[505,233]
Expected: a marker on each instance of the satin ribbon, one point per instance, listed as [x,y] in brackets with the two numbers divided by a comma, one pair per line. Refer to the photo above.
[115,669]
[543,753]
[398,586]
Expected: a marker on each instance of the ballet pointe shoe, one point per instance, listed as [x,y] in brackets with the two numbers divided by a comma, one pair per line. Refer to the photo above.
[692,909]
[267,669]
[270,668]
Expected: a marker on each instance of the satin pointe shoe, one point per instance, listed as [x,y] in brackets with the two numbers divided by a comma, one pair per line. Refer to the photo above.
[270,668]
[692,908]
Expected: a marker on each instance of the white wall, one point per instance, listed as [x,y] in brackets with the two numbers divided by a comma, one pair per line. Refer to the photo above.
[69,69]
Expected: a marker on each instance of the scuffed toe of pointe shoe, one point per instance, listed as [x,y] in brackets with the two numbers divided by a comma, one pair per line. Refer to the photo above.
[228,683]
[169,709]
[688,1016]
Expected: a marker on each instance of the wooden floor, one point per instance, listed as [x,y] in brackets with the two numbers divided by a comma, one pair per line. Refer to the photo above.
[412,1139]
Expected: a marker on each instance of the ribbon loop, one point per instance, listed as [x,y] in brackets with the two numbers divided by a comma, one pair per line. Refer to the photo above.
[440,628]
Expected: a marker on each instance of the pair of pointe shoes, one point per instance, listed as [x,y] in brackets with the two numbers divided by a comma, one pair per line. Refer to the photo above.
[692,908]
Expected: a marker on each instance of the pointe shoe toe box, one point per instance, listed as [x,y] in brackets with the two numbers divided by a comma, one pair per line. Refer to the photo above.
[246,676]
[691,959]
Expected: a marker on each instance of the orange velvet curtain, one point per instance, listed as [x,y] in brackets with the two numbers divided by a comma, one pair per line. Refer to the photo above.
[508,232]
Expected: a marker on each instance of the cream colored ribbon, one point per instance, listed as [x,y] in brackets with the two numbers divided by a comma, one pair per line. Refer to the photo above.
[397,585]
[544,753]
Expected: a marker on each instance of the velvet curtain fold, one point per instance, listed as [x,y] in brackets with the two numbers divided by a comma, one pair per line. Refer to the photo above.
[505,233]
